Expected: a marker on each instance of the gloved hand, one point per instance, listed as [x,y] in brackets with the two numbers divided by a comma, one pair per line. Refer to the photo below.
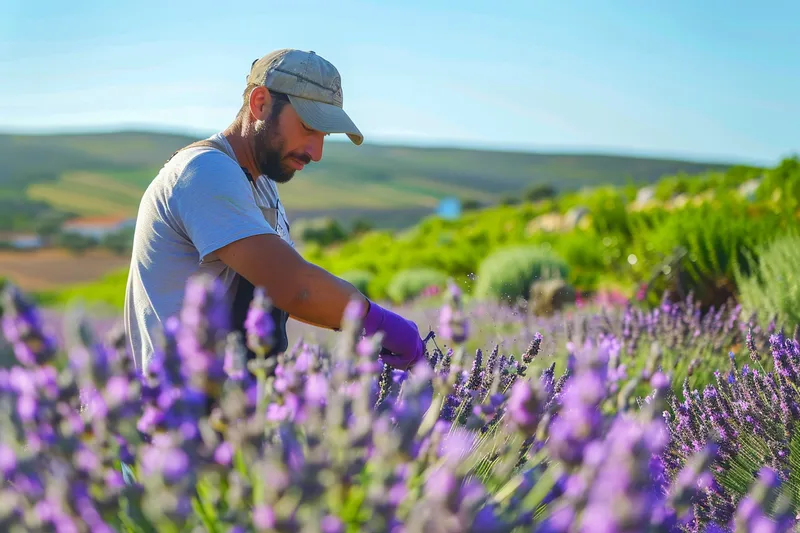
[402,345]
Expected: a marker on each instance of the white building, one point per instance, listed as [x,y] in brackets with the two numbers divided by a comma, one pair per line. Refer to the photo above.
[21,241]
[98,227]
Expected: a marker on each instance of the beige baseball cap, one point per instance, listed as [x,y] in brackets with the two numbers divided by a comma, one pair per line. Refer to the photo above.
[313,85]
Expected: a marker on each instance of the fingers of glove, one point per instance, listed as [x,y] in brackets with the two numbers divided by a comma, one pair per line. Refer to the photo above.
[401,362]
[395,362]
[407,357]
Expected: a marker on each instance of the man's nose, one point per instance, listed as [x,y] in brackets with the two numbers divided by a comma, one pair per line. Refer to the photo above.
[314,147]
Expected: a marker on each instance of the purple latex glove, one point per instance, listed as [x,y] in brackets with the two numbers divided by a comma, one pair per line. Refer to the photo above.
[402,345]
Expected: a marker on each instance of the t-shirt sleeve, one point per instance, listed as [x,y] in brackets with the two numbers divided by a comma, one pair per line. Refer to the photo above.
[214,205]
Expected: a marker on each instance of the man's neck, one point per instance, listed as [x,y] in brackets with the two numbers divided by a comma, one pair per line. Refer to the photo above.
[237,136]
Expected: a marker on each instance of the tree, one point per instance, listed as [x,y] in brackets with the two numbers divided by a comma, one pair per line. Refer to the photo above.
[322,231]
[471,204]
[540,191]
[360,225]
[75,243]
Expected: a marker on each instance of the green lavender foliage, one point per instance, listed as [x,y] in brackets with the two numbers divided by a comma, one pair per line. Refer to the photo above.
[781,185]
[750,412]
[772,290]
[701,250]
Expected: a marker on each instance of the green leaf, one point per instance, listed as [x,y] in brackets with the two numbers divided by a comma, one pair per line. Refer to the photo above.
[133,517]
[208,522]
[203,505]
[791,488]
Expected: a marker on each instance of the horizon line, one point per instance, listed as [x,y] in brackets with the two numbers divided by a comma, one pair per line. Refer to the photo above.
[433,144]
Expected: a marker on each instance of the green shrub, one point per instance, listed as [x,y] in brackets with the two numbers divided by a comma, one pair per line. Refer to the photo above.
[588,255]
[323,231]
[773,288]
[74,242]
[698,249]
[540,191]
[471,204]
[597,253]
[782,183]
[360,279]
[408,284]
[668,187]
[507,273]
[360,226]
[510,199]
[608,208]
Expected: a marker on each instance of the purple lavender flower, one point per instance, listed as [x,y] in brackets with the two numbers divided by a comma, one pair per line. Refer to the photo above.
[331,524]
[224,453]
[525,406]
[24,329]
[259,324]
[204,326]
[263,517]
[533,348]
[8,460]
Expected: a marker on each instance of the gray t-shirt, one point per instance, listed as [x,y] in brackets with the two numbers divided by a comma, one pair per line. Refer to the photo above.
[200,201]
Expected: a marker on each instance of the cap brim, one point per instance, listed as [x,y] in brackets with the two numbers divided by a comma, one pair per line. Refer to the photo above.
[326,118]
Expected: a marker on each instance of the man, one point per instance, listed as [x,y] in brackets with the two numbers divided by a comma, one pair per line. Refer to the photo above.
[214,209]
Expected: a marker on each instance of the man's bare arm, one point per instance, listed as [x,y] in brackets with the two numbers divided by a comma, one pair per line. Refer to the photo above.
[310,323]
[302,289]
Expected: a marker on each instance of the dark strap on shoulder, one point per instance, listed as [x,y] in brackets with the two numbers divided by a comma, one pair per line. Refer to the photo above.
[211,144]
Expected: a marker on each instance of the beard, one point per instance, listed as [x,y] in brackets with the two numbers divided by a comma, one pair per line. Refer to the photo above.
[268,152]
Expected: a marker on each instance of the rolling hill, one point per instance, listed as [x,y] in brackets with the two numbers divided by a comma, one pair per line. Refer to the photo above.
[105,173]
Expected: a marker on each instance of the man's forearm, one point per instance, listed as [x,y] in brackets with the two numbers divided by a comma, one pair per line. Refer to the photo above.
[298,319]
[300,288]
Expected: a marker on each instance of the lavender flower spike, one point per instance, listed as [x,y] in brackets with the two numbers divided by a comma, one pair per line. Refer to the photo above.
[23,328]
[259,324]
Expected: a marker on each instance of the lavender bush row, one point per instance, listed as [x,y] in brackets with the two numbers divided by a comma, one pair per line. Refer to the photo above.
[330,440]
[693,344]
[751,415]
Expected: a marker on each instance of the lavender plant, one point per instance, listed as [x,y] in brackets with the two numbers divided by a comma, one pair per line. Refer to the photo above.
[329,440]
[751,415]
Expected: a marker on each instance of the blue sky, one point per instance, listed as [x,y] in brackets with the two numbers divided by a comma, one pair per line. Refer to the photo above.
[706,80]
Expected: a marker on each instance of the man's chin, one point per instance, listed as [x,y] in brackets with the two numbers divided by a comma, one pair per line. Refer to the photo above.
[285,176]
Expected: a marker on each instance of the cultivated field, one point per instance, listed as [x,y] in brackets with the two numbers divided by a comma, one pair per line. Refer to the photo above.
[53,268]
[95,193]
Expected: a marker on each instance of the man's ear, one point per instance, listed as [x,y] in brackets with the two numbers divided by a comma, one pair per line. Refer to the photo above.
[260,102]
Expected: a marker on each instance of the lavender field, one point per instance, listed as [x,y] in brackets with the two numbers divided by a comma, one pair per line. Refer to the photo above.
[622,419]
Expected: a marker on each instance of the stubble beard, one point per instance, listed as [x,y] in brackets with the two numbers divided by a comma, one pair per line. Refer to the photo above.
[268,147]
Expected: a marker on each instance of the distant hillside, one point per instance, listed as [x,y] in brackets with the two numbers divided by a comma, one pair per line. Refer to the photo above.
[105,173]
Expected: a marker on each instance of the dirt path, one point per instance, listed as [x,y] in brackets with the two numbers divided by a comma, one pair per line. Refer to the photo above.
[52,268]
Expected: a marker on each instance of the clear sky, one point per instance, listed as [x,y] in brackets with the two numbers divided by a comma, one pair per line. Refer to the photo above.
[708,79]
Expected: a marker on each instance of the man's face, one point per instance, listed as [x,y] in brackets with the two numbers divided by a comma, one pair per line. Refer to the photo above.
[284,144]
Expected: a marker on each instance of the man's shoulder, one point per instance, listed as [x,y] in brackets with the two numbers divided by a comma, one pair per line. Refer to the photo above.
[198,166]
[194,158]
